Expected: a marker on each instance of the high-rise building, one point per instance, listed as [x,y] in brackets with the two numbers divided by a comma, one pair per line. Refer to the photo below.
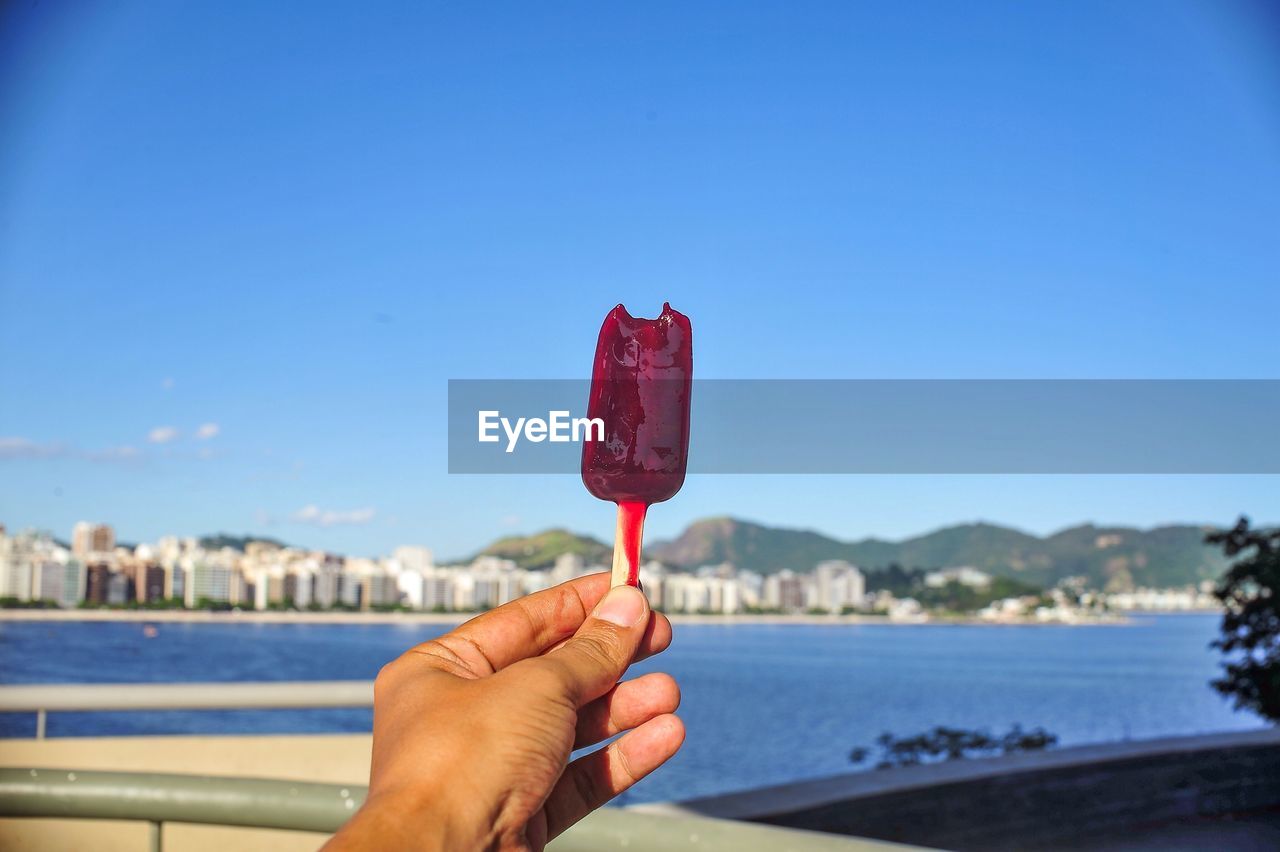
[21,558]
[410,584]
[437,590]
[16,577]
[351,589]
[536,581]
[653,578]
[62,583]
[303,592]
[326,589]
[568,566]
[119,589]
[209,583]
[289,593]
[785,591]
[96,582]
[464,592]
[178,583]
[380,590]
[151,582]
[87,538]
[417,559]
[838,585]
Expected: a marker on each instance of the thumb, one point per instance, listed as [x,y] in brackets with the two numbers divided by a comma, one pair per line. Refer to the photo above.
[594,659]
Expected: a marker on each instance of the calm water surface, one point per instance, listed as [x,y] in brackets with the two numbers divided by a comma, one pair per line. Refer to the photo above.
[763,704]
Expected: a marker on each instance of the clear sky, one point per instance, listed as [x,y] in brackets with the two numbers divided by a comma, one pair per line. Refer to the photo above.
[290,226]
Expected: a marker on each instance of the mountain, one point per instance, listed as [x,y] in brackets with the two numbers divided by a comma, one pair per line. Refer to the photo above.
[1116,558]
[749,546]
[541,549]
[220,540]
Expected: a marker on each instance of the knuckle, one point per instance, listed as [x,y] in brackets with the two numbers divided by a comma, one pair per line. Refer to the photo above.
[439,655]
[386,678]
[624,764]
[601,648]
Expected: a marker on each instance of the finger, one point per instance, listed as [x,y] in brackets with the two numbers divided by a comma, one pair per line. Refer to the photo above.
[628,705]
[589,664]
[594,779]
[656,639]
[523,628]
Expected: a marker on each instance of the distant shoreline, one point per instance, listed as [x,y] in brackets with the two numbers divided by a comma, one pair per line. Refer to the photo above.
[177,616]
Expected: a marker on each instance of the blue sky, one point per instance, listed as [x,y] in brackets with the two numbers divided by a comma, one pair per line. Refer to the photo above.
[297,227]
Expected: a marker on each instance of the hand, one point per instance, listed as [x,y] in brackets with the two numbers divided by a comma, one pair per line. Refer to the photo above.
[472,731]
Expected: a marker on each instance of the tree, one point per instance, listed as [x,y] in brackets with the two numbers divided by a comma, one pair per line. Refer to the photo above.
[1250,640]
[942,744]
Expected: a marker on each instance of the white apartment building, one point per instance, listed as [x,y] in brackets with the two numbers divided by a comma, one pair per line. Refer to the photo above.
[567,566]
[15,578]
[87,538]
[837,585]
[212,582]
[437,590]
[411,586]
[965,575]
[417,559]
[62,583]
[786,591]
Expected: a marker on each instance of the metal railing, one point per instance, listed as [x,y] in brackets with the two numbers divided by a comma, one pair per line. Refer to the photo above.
[45,699]
[159,798]
[299,806]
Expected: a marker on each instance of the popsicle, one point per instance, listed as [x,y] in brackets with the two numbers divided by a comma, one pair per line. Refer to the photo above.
[640,387]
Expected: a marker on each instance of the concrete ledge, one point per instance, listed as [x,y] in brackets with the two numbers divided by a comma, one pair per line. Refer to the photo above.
[1024,801]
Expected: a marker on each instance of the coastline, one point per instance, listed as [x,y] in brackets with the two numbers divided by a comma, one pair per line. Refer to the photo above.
[182,616]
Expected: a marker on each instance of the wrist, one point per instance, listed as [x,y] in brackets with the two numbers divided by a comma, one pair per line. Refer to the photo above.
[401,819]
[427,817]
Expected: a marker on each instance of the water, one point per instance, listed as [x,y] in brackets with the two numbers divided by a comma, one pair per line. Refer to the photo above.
[763,704]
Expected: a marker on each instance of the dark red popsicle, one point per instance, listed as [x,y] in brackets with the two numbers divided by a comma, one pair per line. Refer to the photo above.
[640,386]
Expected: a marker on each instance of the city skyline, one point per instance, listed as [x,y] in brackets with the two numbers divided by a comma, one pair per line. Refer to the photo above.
[98,571]
[91,528]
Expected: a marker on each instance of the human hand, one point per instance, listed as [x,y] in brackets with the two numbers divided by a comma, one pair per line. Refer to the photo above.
[472,731]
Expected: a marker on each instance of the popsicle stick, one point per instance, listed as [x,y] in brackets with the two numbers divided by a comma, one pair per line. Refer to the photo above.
[626,544]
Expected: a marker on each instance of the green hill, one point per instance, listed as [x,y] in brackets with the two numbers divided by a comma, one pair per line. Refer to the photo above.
[217,541]
[1114,558]
[541,549]
[1109,557]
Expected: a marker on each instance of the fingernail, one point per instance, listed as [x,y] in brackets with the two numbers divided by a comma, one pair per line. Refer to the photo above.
[623,606]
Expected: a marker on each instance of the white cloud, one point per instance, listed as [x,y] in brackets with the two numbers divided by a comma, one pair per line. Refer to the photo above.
[207,431]
[162,435]
[330,518]
[14,447]
[114,454]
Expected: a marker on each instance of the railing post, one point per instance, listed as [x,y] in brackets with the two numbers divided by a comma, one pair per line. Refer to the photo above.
[40,723]
[156,830]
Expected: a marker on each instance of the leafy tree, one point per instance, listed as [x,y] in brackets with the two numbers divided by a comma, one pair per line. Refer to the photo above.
[1250,640]
[943,744]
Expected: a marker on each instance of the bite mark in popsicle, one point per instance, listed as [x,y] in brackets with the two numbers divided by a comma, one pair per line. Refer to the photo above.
[640,386]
